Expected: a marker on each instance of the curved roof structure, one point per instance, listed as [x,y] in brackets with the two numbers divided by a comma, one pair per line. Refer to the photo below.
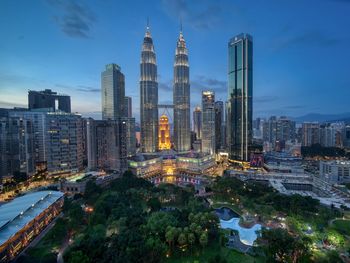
[15,214]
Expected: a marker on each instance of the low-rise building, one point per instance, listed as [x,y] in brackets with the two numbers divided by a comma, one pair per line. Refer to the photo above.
[22,219]
[335,172]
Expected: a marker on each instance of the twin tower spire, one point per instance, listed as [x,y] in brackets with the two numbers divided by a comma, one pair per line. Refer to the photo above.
[149,96]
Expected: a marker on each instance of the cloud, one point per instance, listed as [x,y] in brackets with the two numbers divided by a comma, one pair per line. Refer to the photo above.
[76,19]
[87,89]
[201,83]
[310,38]
[81,88]
[199,14]
[264,99]
[6,104]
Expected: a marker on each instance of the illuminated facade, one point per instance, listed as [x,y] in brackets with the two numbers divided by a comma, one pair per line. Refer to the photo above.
[24,218]
[164,133]
[149,96]
[181,99]
[240,94]
[170,165]
[113,92]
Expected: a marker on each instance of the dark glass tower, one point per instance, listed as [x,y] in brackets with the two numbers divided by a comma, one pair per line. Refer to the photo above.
[113,92]
[240,93]
[182,129]
[149,96]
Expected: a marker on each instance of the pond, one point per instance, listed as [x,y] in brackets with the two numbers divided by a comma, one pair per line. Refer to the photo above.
[230,220]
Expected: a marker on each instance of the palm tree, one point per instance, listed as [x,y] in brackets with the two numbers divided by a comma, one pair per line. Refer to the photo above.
[203,240]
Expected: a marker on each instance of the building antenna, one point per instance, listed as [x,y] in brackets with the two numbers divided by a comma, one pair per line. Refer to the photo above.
[180,24]
[147,23]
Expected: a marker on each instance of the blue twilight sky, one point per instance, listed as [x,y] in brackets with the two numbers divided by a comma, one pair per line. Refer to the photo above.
[301,49]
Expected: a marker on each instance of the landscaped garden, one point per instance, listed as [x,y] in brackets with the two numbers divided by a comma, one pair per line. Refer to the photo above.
[135,221]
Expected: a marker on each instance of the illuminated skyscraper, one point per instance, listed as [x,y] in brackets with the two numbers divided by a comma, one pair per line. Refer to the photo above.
[113,92]
[164,133]
[208,122]
[197,122]
[149,96]
[240,93]
[182,130]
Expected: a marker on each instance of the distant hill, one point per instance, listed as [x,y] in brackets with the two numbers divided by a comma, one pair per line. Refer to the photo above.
[324,117]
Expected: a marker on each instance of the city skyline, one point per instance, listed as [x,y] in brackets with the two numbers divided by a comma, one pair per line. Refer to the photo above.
[279,86]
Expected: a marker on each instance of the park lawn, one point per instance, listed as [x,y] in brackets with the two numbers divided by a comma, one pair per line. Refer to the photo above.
[203,256]
[343,226]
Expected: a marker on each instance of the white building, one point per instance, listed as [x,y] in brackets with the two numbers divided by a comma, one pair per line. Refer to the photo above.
[335,172]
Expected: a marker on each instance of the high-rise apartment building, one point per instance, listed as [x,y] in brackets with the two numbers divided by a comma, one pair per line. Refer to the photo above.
[181,97]
[48,99]
[279,129]
[63,142]
[113,92]
[240,96]
[148,95]
[208,122]
[310,133]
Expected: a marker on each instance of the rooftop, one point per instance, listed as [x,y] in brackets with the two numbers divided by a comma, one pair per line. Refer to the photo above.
[15,214]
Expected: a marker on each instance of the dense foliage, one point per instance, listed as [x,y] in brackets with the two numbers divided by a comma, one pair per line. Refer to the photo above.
[133,221]
[318,150]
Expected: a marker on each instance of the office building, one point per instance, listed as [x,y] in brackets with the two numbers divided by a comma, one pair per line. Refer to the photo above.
[240,96]
[219,126]
[164,133]
[24,218]
[16,147]
[208,122]
[113,92]
[127,135]
[127,107]
[48,99]
[197,122]
[103,145]
[181,97]
[148,96]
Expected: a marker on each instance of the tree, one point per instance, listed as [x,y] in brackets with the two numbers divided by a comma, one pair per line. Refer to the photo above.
[203,240]
[158,222]
[182,240]
[78,257]
[191,239]
[170,235]
[280,246]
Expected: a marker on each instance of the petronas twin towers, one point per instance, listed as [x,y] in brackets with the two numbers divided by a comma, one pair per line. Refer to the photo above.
[149,96]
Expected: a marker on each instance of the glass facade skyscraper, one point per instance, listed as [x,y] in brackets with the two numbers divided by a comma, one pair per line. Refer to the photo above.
[182,123]
[197,122]
[113,92]
[149,96]
[240,93]
[208,122]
